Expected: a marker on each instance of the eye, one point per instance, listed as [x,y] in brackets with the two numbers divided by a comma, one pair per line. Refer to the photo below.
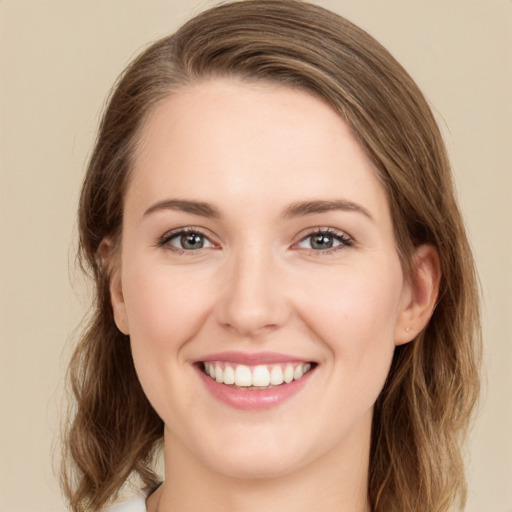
[186,240]
[325,240]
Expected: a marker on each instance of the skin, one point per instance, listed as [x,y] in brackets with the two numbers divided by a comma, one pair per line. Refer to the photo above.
[251,151]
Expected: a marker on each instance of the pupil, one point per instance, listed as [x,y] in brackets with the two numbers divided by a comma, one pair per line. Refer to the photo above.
[192,241]
[321,241]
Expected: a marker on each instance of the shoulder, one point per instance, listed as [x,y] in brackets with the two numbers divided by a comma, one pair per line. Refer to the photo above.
[135,504]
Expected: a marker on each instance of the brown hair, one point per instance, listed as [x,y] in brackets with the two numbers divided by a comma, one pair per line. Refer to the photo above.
[422,414]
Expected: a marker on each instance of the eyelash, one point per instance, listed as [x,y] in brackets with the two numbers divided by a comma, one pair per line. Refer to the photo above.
[165,239]
[342,237]
[345,240]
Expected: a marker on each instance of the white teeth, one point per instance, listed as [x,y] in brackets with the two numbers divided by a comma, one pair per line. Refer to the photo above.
[219,373]
[229,375]
[276,375]
[260,376]
[243,375]
[288,374]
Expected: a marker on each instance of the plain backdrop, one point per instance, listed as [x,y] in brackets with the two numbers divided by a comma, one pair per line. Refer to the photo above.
[58,60]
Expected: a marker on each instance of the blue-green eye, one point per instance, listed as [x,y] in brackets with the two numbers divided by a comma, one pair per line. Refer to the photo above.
[186,240]
[324,240]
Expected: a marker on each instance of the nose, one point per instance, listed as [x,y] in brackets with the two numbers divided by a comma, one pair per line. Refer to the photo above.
[253,298]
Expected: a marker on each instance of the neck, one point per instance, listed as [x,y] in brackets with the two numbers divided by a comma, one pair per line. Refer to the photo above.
[335,482]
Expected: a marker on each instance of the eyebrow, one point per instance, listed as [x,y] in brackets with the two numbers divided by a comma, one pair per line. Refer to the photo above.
[195,207]
[312,207]
[298,209]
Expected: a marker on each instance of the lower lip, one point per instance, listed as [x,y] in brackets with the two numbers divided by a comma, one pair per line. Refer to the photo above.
[253,399]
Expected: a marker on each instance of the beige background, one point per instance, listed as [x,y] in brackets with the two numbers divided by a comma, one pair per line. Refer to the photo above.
[58,59]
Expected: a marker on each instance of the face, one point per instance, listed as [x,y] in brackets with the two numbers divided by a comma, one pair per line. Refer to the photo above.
[258,248]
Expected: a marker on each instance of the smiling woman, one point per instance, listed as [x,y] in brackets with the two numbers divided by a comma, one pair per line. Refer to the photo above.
[285,292]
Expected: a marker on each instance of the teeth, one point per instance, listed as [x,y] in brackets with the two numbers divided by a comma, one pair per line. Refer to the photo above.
[288,374]
[276,376]
[229,375]
[243,375]
[297,373]
[260,376]
[219,373]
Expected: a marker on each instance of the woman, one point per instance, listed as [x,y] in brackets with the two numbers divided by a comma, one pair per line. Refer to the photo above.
[285,292]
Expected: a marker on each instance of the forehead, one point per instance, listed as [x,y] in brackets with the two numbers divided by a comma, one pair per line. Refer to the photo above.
[251,140]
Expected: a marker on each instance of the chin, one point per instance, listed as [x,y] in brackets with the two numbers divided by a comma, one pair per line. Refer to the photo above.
[256,459]
[258,467]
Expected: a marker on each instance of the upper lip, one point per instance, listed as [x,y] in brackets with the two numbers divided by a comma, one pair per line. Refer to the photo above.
[252,358]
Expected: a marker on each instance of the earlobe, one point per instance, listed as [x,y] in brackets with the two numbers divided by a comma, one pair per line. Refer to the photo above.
[111,262]
[423,291]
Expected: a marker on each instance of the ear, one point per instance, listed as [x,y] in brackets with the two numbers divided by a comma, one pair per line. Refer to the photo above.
[110,258]
[420,295]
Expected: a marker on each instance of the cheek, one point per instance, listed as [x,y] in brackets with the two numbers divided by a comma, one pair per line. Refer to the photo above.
[165,310]
[356,321]
[163,305]
[356,302]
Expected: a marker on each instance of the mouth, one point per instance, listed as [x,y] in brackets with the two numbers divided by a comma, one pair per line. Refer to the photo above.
[255,377]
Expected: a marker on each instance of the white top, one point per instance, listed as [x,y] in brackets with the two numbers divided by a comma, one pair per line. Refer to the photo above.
[135,504]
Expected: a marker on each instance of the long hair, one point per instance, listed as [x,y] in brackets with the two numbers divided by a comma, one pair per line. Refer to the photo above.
[421,416]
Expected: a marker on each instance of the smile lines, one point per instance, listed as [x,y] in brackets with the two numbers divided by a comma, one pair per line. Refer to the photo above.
[255,377]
